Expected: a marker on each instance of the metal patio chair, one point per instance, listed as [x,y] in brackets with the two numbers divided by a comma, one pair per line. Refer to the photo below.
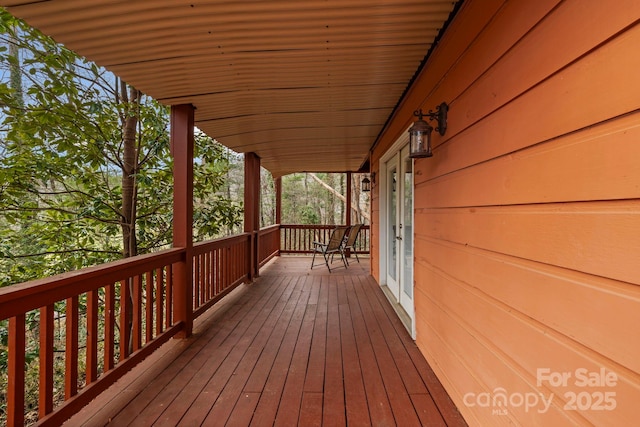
[350,241]
[334,246]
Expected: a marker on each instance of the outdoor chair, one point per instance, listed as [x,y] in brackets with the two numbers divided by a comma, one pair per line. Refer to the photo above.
[334,246]
[350,241]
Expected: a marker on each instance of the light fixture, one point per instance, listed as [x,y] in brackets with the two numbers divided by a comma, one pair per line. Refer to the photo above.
[420,132]
[366,184]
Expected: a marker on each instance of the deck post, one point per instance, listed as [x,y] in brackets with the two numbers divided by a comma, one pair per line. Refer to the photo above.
[348,201]
[182,121]
[278,185]
[347,214]
[252,209]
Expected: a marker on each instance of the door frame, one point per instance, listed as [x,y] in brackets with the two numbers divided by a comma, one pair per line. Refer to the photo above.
[407,318]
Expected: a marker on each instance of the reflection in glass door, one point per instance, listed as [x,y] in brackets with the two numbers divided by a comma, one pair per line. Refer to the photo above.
[392,227]
[406,224]
[399,229]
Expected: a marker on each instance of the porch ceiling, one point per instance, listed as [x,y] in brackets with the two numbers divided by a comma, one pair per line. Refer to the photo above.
[307,85]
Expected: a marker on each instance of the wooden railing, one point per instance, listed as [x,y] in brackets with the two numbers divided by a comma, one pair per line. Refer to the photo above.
[106,318]
[218,267]
[268,243]
[298,239]
[93,325]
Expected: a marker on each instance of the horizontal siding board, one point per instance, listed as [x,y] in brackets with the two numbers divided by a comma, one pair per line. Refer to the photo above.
[495,326]
[604,166]
[512,23]
[549,110]
[574,304]
[597,238]
[463,30]
[531,60]
[444,339]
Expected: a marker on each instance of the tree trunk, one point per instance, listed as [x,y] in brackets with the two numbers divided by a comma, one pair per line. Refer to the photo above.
[331,208]
[343,212]
[356,187]
[130,98]
[336,193]
[131,102]
[15,74]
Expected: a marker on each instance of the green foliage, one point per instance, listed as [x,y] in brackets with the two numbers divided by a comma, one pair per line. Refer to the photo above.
[63,122]
[212,210]
[309,215]
[62,164]
[305,201]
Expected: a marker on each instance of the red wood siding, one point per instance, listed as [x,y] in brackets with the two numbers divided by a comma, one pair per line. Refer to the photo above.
[527,216]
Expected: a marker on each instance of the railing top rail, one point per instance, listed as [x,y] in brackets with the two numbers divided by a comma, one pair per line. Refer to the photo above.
[315,226]
[309,226]
[27,296]
[202,247]
[270,228]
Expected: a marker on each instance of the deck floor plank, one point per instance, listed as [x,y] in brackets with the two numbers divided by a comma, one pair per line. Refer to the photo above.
[399,399]
[296,347]
[314,381]
[188,392]
[410,376]
[355,397]
[289,410]
[311,409]
[270,400]
[377,399]
[200,408]
[334,404]
[244,409]
[188,365]
[450,413]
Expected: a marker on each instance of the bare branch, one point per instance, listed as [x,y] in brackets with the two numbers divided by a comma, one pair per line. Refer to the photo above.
[63,252]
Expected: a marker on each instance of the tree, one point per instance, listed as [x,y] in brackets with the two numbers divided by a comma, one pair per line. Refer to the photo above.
[86,164]
[319,198]
[85,169]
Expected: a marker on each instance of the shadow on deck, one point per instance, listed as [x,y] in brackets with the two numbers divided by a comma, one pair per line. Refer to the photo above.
[296,347]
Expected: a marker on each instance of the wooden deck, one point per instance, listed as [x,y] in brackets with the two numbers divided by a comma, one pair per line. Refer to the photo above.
[296,347]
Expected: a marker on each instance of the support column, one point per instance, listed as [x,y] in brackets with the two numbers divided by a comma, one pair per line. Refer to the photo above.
[348,210]
[278,185]
[182,121]
[348,200]
[252,209]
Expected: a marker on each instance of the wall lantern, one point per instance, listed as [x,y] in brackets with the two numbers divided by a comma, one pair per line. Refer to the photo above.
[366,184]
[420,132]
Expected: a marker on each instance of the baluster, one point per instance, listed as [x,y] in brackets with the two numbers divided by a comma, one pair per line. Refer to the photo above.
[148,306]
[15,391]
[169,288]
[137,312]
[45,380]
[125,318]
[159,301]
[196,278]
[109,326]
[71,349]
[207,275]
[92,336]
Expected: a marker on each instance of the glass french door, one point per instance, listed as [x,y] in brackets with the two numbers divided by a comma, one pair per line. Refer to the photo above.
[399,229]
